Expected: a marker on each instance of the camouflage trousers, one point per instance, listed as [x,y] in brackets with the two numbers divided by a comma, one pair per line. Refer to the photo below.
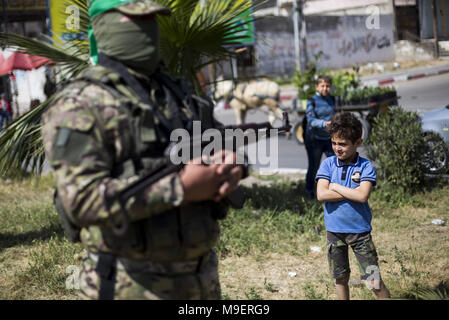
[145,280]
[364,251]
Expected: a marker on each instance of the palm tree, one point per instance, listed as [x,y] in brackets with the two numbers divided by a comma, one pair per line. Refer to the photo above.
[194,35]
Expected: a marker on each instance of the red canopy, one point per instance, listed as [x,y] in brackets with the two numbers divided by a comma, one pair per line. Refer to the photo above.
[19,61]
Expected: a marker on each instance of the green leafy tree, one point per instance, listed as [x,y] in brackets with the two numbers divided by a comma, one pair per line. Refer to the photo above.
[305,81]
[194,35]
[398,149]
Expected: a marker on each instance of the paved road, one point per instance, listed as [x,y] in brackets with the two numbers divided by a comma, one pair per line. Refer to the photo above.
[424,94]
[419,95]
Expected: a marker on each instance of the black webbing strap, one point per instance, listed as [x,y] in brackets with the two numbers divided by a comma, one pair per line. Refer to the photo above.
[107,271]
[169,83]
[133,83]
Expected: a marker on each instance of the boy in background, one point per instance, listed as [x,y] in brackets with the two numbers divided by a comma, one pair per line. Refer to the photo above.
[320,109]
[344,184]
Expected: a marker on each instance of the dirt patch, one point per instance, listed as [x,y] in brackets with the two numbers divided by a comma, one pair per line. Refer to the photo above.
[276,276]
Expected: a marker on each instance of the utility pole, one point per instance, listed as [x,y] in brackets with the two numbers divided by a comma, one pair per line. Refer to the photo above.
[296,35]
[395,21]
[303,35]
[299,32]
[435,27]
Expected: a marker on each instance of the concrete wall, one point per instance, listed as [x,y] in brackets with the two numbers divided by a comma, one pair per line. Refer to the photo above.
[346,40]
[345,37]
[413,51]
[275,47]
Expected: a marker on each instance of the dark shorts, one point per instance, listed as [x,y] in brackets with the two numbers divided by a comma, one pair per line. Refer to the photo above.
[363,248]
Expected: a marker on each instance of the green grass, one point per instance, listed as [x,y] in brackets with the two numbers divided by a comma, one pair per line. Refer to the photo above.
[33,250]
[271,216]
[260,245]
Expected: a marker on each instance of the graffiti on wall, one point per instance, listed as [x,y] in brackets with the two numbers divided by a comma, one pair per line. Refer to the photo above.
[364,43]
[344,49]
[275,53]
[344,41]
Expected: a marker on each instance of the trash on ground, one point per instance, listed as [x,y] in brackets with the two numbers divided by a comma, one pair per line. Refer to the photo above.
[438,222]
[292,274]
[315,249]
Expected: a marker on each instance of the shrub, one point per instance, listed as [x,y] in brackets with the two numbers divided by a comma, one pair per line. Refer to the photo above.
[397,148]
[305,81]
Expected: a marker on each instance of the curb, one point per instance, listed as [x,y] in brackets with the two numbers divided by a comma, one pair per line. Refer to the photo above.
[405,77]
[269,171]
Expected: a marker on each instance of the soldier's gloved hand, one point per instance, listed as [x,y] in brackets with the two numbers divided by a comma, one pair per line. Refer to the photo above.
[201,182]
[226,162]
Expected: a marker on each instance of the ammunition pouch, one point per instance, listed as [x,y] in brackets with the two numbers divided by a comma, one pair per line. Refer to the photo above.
[71,231]
[181,234]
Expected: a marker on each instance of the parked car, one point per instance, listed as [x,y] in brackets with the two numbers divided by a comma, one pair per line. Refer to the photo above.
[437,121]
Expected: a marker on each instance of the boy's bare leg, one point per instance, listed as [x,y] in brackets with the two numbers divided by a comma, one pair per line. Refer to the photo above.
[382,291]
[342,287]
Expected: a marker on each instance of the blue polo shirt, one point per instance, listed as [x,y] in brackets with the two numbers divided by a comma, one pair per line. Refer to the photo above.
[347,216]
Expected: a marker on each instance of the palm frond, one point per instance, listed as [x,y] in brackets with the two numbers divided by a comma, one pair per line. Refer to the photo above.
[440,292]
[195,35]
[69,63]
[21,148]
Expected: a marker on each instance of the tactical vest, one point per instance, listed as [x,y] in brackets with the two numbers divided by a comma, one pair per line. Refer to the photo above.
[184,233]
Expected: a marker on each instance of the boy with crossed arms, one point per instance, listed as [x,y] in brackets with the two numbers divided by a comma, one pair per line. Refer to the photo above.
[344,185]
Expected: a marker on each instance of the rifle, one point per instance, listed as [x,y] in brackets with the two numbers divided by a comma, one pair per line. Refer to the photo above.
[235,199]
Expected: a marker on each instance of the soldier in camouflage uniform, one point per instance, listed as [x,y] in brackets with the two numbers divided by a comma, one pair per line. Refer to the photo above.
[100,133]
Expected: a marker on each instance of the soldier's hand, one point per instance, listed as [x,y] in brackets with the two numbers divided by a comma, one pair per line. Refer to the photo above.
[201,182]
[226,161]
[229,185]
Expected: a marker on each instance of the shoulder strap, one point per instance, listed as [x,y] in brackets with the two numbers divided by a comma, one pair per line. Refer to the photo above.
[133,83]
[180,93]
[312,101]
[181,90]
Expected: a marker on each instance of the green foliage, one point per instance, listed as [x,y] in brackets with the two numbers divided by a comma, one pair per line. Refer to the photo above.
[397,147]
[345,85]
[361,95]
[252,294]
[387,195]
[344,82]
[305,81]
[197,33]
[440,292]
[311,291]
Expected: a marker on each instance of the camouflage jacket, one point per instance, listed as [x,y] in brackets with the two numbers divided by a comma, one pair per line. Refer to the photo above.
[87,132]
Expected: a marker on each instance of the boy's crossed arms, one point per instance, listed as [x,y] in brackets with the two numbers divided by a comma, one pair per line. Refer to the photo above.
[332,192]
